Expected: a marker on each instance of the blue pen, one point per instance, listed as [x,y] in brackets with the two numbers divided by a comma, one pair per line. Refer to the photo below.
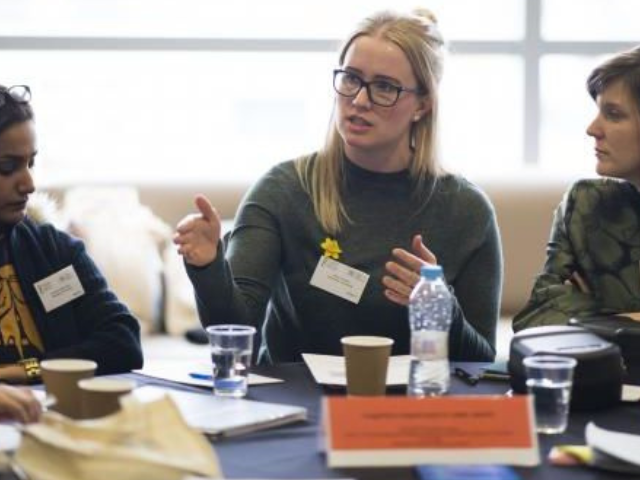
[200,376]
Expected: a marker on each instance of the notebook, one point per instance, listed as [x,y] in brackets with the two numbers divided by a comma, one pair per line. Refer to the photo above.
[218,416]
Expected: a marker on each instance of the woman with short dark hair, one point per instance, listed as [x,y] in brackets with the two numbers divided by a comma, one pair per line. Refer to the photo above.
[593,254]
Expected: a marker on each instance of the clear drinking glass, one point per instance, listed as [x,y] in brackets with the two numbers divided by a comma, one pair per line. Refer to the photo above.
[549,380]
[231,349]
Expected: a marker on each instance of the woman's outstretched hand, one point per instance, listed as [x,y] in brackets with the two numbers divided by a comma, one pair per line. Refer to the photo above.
[403,271]
[197,235]
[18,404]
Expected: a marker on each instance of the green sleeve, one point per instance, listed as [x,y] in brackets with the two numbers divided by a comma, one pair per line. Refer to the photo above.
[554,299]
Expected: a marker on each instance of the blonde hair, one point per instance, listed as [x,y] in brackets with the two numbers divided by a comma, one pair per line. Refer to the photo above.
[418,37]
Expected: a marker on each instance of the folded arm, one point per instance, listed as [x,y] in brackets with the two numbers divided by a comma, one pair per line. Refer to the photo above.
[560,292]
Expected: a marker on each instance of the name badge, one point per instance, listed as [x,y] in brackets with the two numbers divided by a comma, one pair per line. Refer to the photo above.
[339,279]
[59,288]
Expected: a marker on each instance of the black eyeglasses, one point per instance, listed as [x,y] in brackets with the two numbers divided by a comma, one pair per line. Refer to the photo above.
[381,92]
[16,94]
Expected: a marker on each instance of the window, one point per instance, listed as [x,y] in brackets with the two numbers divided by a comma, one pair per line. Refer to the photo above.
[567,51]
[165,116]
[192,90]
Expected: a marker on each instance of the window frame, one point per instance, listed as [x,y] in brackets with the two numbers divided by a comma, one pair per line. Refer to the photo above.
[531,48]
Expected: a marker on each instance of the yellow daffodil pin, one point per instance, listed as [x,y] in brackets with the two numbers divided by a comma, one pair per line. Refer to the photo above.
[331,248]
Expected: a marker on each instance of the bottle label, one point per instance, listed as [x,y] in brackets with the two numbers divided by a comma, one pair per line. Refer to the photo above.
[430,345]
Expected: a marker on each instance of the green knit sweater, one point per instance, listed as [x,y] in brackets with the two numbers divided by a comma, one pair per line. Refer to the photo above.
[263,276]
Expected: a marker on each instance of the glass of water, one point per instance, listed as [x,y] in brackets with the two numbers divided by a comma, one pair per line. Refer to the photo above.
[549,380]
[231,349]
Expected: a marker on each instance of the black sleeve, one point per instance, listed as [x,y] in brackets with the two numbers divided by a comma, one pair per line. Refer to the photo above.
[237,285]
[108,333]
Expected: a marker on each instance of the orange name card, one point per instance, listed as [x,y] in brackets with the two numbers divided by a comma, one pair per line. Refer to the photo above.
[398,431]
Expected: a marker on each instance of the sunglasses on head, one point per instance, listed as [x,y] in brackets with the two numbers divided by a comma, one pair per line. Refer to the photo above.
[17,94]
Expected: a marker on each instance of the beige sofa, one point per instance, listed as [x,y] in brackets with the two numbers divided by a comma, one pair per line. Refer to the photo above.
[524,208]
[525,213]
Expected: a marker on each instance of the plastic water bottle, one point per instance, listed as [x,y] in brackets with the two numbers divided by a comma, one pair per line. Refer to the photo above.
[430,307]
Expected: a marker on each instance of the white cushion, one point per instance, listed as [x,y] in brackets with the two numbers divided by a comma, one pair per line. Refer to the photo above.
[124,238]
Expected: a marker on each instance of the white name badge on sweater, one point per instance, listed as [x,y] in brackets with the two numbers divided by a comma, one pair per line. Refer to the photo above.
[59,288]
[339,279]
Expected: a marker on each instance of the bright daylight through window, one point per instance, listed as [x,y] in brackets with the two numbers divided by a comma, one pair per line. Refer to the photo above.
[194,90]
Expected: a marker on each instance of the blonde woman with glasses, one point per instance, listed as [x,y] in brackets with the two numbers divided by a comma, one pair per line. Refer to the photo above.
[331,244]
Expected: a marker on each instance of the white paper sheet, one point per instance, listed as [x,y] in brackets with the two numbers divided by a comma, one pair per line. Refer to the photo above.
[180,370]
[330,369]
[9,438]
[630,393]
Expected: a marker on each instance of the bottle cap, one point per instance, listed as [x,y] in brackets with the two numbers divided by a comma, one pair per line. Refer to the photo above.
[431,272]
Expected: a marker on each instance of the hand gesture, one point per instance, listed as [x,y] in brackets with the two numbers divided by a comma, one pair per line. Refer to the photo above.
[404,270]
[197,235]
[18,404]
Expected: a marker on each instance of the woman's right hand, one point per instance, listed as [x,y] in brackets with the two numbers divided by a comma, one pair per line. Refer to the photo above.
[403,272]
[197,235]
[18,404]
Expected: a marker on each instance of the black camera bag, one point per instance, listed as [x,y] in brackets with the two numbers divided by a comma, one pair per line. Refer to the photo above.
[597,379]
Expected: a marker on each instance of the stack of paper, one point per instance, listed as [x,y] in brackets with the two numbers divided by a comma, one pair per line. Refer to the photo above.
[613,451]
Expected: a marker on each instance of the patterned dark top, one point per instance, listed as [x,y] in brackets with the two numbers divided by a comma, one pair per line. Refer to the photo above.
[19,336]
[596,233]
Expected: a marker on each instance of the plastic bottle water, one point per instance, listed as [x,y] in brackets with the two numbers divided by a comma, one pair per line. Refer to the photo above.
[430,306]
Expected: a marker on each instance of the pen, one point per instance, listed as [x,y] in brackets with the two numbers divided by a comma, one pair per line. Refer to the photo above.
[465,376]
[200,376]
[495,376]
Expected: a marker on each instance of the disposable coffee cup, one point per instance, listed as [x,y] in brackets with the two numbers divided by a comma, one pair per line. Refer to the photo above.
[60,377]
[101,396]
[366,362]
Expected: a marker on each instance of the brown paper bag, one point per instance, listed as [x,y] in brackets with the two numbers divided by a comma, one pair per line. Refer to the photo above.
[143,440]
